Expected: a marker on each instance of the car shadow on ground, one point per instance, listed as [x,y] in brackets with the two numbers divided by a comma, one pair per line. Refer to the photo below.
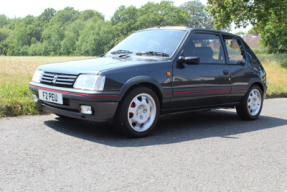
[172,128]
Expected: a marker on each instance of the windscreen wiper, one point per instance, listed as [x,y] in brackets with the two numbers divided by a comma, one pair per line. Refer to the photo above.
[121,52]
[152,53]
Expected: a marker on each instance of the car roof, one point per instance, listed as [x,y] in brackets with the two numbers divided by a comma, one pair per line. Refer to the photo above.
[187,29]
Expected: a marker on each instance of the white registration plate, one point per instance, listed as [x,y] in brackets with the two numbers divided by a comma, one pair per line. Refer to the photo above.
[51,96]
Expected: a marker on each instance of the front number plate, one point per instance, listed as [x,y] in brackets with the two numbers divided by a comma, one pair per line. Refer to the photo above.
[51,96]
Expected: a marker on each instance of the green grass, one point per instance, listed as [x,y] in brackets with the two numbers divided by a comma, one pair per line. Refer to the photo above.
[280,59]
[16,73]
[16,97]
[275,66]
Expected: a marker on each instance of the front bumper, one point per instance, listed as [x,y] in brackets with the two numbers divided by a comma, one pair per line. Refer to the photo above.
[104,104]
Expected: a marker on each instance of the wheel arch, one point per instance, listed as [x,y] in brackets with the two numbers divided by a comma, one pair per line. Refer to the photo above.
[142,81]
[258,82]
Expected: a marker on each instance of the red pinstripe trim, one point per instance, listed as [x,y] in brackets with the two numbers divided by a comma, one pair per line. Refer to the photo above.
[202,91]
[167,93]
[70,93]
[243,89]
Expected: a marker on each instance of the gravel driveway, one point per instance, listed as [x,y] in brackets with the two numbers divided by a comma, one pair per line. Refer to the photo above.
[195,151]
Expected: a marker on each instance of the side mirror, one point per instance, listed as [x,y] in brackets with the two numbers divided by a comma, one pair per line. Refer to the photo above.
[189,60]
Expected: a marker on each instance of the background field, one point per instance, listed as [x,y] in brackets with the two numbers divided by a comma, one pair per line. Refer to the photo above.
[17,72]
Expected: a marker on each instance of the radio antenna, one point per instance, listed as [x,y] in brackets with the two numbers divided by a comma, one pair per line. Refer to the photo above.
[161,24]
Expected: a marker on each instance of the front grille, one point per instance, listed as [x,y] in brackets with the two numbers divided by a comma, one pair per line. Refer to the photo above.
[60,80]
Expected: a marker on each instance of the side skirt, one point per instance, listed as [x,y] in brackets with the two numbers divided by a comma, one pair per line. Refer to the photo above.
[178,110]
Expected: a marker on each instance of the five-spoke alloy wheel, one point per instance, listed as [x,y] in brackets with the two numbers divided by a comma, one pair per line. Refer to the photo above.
[138,112]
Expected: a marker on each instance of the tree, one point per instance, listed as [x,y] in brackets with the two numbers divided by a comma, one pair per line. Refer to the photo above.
[18,38]
[243,12]
[274,35]
[153,14]
[45,17]
[4,33]
[52,37]
[264,15]
[251,31]
[3,20]
[197,16]
[90,15]
[65,16]
[90,40]
[36,49]
[240,33]
[68,44]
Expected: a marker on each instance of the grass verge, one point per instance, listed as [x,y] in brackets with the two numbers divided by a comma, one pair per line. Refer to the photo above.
[15,75]
[276,69]
[16,97]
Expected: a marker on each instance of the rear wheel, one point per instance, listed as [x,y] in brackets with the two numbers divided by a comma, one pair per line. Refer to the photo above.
[138,112]
[251,106]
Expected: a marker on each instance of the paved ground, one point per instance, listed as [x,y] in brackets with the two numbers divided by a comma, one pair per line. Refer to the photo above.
[200,151]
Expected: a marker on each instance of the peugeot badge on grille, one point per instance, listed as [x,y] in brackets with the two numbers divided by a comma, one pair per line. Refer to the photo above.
[55,79]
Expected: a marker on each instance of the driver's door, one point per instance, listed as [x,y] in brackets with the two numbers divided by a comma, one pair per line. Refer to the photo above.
[204,84]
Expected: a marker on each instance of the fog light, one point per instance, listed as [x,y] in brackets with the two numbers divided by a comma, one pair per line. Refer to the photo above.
[85,109]
[35,98]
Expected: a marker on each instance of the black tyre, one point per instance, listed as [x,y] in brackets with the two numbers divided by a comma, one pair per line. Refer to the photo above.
[138,112]
[251,106]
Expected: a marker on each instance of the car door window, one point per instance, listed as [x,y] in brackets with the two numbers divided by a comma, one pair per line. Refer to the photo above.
[253,61]
[205,46]
[235,51]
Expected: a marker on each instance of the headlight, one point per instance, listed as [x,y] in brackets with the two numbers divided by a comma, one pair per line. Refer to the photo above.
[37,76]
[90,82]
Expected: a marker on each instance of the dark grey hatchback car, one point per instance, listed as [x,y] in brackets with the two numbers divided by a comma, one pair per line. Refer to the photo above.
[153,72]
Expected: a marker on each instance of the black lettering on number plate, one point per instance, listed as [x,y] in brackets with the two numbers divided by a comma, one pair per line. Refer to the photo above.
[45,95]
[56,97]
[53,97]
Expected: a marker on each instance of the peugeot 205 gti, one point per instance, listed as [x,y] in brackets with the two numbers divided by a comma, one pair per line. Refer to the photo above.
[152,72]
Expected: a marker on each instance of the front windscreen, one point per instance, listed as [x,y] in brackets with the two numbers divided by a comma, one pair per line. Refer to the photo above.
[152,43]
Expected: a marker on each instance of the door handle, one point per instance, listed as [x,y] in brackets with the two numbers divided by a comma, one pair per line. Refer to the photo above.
[225,71]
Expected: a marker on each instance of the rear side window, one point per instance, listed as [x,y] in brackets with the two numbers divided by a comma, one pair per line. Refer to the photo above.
[207,47]
[253,61]
[235,51]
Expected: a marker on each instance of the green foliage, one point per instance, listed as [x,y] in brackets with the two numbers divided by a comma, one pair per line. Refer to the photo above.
[262,50]
[15,96]
[240,33]
[251,31]
[197,15]
[3,20]
[72,32]
[36,49]
[274,34]
[268,17]
[275,66]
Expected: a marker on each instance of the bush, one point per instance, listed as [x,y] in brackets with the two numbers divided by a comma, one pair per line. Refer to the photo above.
[24,50]
[36,49]
[261,51]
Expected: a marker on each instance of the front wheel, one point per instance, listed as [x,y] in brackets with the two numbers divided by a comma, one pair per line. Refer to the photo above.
[138,112]
[251,106]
